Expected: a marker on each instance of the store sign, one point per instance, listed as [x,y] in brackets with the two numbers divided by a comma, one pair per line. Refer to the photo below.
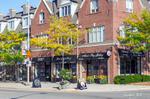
[91,56]
[65,58]
[123,52]
[40,59]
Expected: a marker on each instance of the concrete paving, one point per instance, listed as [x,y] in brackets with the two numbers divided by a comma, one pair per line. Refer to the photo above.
[52,87]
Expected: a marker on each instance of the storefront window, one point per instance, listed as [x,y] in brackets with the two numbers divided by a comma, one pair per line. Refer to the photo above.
[97,67]
[129,65]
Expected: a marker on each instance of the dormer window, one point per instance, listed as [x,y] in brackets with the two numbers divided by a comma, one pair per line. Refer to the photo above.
[129,5]
[94,6]
[0,27]
[41,18]
[25,22]
[11,25]
[66,10]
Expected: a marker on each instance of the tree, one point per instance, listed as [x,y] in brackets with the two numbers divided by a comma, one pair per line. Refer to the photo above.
[137,32]
[61,36]
[10,48]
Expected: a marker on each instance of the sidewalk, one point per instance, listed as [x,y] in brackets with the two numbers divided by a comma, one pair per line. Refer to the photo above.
[52,87]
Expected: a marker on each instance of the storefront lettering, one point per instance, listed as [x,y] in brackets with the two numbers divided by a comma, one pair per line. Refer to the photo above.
[90,56]
[40,59]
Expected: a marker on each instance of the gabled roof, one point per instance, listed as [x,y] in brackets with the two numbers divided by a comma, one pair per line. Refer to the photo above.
[48,5]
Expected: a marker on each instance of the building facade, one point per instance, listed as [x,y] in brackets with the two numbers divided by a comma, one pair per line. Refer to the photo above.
[18,22]
[98,53]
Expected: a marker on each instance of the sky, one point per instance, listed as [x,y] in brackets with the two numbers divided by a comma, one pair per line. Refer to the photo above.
[5,5]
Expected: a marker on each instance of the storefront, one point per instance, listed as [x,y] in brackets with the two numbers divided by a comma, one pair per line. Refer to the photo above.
[95,64]
[66,62]
[42,68]
[130,62]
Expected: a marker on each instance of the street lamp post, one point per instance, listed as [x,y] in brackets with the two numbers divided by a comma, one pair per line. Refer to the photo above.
[28,44]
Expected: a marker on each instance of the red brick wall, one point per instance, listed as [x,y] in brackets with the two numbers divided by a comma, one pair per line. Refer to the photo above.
[102,17]
[37,29]
[111,15]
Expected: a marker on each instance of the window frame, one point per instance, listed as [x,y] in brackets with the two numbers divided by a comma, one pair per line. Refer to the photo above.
[129,6]
[92,9]
[94,32]
[41,18]
[25,22]
[11,24]
[65,10]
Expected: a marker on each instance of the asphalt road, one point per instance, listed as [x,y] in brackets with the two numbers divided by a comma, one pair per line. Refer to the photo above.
[14,94]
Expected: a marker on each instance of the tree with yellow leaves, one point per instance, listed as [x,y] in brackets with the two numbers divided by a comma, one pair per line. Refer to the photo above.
[10,48]
[61,37]
[137,32]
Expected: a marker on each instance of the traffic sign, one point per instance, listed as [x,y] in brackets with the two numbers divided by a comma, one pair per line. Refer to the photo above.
[28,54]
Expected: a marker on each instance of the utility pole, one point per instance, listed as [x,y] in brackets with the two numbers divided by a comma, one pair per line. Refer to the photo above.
[28,45]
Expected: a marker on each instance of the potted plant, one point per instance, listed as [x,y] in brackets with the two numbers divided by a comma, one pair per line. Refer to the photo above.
[66,76]
[90,79]
[103,79]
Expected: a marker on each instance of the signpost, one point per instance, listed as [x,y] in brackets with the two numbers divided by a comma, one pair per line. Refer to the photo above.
[28,45]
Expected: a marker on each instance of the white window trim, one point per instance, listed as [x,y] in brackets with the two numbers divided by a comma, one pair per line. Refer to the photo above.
[41,20]
[93,34]
[91,7]
[63,10]
[129,6]
[122,31]
[23,22]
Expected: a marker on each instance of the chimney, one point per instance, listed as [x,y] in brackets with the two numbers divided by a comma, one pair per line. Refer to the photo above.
[12,12]
[1,16]
[25,8]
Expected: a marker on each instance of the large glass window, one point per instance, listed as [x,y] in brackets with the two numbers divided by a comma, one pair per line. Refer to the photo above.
[96,34]
[129,5]
[66,10]
[130,65]
[41,18]
[97,67]
[94,6]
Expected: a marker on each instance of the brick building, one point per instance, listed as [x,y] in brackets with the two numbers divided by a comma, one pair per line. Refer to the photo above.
[98,51]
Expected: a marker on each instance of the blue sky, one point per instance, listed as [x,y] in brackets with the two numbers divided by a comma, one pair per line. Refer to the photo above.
[5,5]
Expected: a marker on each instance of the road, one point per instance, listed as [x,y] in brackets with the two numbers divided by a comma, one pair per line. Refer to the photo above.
[14,94]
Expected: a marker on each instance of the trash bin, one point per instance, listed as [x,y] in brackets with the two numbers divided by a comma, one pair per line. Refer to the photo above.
[36,83]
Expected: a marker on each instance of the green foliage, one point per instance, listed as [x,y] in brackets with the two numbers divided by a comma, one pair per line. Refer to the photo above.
[65,74]
[126,79]
[90,79]
[59,34]
[10,47]
[137,30]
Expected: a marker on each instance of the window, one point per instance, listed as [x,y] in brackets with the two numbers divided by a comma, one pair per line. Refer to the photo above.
[130,65]
[0,28]
[41,18]
[122,31]
[129,5]
[94,6]
[25,22]
[96,34]
[11,25]
[66,10]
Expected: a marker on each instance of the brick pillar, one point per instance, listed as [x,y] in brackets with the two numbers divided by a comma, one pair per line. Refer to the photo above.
[113,65]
